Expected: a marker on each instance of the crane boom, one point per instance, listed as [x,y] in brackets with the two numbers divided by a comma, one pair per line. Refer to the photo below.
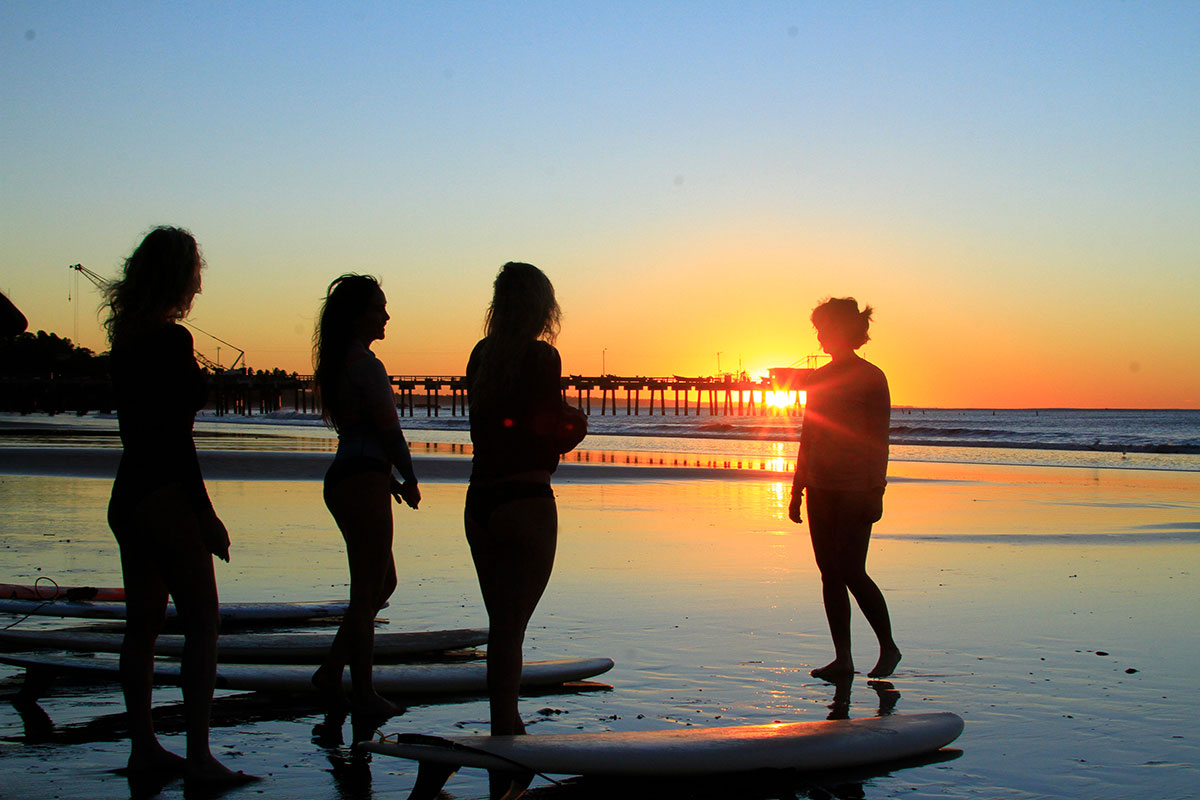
[101,283]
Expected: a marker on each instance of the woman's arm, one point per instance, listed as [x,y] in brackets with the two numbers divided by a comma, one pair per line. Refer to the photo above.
[879,428]
[379,406]
[553,417]
[799,481]
[192,385]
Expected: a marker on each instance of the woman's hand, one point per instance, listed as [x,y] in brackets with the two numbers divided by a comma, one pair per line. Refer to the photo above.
[794,507]
[216,538]
[406,492]
[874,507]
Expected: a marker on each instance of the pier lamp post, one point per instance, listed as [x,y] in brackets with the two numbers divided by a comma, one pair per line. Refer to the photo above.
[603,356]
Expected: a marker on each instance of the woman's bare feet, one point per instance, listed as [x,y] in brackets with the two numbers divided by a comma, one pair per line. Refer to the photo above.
[156,758]
[376,706]
[369,713]
[329,687]
[834,671]
[888,659]
[211,772]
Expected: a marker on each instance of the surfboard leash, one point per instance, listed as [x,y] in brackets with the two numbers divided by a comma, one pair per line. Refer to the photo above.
[449,744]
[45,602]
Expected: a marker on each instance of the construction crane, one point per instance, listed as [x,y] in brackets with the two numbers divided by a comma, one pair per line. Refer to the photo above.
[101,283]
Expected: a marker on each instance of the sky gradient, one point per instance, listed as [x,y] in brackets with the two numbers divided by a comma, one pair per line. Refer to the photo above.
[1014,187]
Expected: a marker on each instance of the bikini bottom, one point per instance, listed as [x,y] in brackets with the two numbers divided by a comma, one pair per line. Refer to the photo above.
[343,468]
[483,500]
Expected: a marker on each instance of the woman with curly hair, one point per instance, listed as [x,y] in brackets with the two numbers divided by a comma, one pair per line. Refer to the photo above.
[843,464]
[160,513]
[357,401]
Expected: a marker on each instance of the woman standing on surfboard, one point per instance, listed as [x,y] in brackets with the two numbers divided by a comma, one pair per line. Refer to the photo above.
[160,512]
[843,465]
[357,401]
[520,425]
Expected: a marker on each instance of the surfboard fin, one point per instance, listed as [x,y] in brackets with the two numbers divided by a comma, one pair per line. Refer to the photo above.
[431,778]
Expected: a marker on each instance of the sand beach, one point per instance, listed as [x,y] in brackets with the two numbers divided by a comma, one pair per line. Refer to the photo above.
[1053,608]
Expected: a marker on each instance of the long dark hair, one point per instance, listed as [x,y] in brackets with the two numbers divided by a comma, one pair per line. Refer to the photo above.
[157,285]
[345,301]
[523,310]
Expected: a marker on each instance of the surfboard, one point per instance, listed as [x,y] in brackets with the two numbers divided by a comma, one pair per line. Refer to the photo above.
[389,678]
[231,613]
[251,648]
[693,751]
[52,591]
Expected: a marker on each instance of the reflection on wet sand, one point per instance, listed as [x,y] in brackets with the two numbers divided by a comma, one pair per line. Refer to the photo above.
[232,711]
[884,690]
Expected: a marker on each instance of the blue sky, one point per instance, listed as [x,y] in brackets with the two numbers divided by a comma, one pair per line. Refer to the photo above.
[1012,185]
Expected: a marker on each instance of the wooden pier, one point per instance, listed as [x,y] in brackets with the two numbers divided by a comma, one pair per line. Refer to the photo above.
[725,396]
[248,394]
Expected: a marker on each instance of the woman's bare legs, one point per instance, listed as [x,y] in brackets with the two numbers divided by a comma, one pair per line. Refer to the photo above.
[361,505]
[514,556]
[145,610]
[165,549]
[841,536]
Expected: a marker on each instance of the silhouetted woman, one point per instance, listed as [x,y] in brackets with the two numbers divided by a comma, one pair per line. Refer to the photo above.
[357,401]
[843,465]
[519,427]
[160,512]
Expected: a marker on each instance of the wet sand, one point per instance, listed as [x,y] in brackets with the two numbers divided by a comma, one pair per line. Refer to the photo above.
[1054,609]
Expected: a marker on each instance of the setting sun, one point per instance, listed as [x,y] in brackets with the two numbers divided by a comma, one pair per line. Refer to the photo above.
[783,399]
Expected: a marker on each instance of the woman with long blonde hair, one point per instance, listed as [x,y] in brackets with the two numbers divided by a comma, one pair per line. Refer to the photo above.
[520,425]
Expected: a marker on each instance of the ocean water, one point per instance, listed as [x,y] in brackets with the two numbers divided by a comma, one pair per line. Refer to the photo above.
[1157,431]
[1095,438]
[1121,438]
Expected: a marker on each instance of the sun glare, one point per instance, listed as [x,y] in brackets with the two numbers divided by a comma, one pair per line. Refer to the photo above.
[783,399]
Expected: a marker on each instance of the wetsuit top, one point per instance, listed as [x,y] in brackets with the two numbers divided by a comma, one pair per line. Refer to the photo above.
[844,437]
[159,388]
[368,425]
[516,433]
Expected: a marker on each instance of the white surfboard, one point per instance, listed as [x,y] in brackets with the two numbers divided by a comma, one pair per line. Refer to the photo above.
[389,678]
[251,648]
[231,613]
[825,744]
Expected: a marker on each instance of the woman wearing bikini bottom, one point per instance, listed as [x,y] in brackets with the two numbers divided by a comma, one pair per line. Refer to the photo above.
[520,425]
